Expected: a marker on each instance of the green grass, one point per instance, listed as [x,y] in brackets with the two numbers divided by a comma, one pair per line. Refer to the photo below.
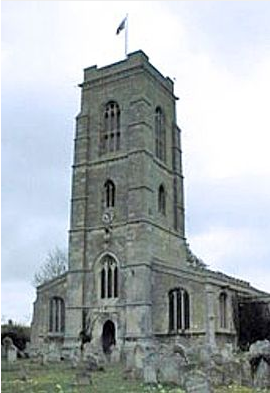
[60,378]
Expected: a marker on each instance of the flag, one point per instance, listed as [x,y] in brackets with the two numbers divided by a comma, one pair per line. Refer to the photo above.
[121,26]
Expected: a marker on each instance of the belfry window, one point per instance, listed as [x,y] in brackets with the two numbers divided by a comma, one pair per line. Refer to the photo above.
[160,137]
[109,278]
[110,131]
[161,200]
[223,310]
[56,315]
[179,318]
[109,194]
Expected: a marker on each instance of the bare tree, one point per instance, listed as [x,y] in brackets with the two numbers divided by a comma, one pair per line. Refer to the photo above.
[55,264]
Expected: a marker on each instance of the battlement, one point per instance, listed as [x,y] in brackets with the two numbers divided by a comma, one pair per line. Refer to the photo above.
[134,61]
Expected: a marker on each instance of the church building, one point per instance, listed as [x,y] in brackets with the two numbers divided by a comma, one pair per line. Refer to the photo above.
[132,278]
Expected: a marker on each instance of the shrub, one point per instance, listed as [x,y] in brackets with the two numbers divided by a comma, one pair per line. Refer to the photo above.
[20,334]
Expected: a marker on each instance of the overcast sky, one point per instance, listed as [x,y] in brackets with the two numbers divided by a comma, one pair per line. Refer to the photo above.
[218,53]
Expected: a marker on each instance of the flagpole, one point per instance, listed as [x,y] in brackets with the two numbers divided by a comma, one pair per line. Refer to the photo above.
[126,36]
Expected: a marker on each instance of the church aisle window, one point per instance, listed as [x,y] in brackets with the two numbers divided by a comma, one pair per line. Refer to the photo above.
[110,132]
[109,278]
[179,310]
[57,315]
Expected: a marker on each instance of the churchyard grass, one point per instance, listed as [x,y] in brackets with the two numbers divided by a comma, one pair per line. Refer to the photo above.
[60,378]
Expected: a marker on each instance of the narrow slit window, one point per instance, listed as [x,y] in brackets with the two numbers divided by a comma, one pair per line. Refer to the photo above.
[160,135]
[161,200]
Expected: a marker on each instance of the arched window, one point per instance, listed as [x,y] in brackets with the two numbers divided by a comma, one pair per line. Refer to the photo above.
[161,199]
[57,315]
[179,315]
[160,137]
[110,132]
[109,278]
[223,310]
[109,194]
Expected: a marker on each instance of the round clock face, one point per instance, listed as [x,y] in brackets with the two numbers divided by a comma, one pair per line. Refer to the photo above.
[106,218]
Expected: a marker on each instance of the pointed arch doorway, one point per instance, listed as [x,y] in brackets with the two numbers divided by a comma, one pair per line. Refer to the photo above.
[108,336]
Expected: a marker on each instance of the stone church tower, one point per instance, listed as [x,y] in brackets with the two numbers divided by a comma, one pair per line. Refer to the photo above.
[127,196]
[131,278]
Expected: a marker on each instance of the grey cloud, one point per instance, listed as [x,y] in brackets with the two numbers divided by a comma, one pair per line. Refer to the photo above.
[36,177]
[239,201]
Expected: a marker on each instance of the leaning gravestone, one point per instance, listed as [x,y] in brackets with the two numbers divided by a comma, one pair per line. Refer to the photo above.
[197,382]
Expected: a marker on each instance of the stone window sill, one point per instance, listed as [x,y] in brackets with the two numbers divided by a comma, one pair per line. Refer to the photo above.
[56,334]
[225,331]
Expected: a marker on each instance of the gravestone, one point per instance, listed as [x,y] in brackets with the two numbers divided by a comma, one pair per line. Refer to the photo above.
[10,349]
[12,354]
[115,355]
[170,369]
[43,358]
[245,372]
[196,382]
[83,378]
[139,355]
[53,353]
[83,373]
[149,369]
[262,375]
[23,374]
[75,358]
